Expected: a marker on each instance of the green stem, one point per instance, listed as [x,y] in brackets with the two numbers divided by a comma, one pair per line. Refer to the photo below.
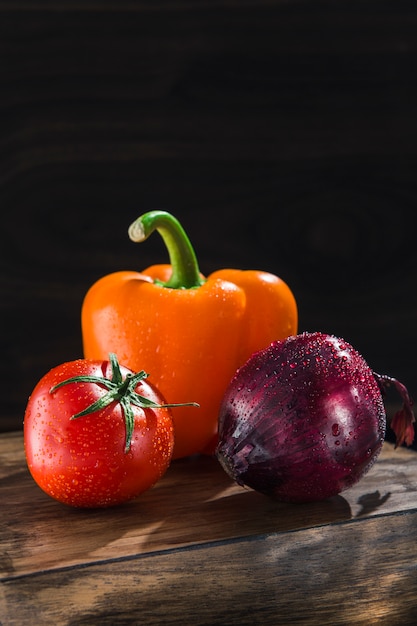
[120,390]
[185,270]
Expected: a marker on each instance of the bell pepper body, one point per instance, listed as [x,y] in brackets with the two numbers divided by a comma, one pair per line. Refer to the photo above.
[190,341]
[270,309]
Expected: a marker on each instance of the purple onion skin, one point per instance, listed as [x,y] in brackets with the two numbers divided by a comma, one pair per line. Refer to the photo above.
[302,420]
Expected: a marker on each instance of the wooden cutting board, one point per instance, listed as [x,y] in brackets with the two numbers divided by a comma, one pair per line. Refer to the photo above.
[198,549]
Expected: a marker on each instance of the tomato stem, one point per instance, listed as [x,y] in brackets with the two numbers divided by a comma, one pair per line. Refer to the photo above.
[119,390]
[185,270]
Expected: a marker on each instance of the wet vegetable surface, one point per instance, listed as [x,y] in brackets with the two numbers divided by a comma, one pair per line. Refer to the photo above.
[96,434]
[303,419]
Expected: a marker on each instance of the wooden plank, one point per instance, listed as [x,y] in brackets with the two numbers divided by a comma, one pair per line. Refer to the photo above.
[354,573]
[194,503]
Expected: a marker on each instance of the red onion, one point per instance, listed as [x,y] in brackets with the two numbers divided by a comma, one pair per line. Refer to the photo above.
[304,419]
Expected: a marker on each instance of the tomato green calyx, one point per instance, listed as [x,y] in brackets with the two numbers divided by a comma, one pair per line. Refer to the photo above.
[122,390]
[185,270]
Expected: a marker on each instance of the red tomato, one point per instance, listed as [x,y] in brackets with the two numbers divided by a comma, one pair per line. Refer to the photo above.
[107,456]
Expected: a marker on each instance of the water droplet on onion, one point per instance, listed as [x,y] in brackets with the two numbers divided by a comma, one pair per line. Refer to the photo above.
[335,430]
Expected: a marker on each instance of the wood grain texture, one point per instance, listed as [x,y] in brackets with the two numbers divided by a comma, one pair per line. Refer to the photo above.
[365,578]
[196,499]
[283,136]
[198,549]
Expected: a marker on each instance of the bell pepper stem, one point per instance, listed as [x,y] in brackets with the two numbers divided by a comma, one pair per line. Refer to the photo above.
[185,270]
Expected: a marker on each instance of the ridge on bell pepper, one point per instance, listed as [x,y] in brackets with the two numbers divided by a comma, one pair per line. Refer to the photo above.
[188,331]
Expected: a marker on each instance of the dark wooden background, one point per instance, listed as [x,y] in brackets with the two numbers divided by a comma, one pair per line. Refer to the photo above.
[283,134]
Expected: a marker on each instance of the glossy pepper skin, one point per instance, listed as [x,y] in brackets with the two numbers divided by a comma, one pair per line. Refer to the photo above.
[190,333]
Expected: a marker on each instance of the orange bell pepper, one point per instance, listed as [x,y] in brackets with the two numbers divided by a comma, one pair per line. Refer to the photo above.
[190,333]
